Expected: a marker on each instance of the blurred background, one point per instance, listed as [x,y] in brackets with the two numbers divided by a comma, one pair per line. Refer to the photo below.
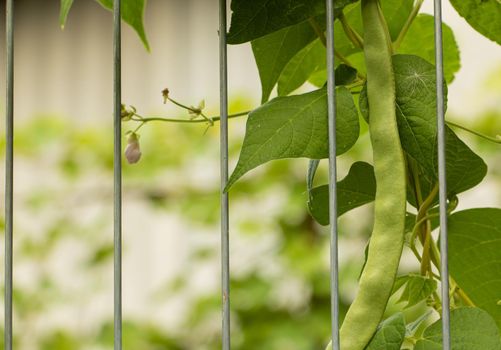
[63,268]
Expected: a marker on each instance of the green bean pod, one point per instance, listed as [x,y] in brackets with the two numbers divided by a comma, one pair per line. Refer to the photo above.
[385,248]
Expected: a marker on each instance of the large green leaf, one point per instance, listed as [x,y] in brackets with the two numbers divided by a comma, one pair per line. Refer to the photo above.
[396,13]
[416,117]
[308,61]
[420,41]
[295,127]
[253,19]
[132,14]
[297,71]
[465,169]
[273,51]
[311,59]
[483,15]
[471,329]
[474,256]
[356,189]
[390,334]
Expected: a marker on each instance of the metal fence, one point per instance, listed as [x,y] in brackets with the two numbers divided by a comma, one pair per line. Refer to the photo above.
[225,268]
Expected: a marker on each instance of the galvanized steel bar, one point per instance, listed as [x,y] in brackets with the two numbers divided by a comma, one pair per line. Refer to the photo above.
[117,176]
[9,172]
[331,108]
[444,267]
[225,254]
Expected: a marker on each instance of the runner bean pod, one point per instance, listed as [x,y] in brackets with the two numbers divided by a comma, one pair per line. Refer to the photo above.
[385,248]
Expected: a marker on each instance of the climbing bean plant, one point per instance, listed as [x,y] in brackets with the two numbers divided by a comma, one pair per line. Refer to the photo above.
[385,78]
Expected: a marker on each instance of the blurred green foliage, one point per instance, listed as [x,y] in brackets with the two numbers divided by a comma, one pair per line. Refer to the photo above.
[280,300]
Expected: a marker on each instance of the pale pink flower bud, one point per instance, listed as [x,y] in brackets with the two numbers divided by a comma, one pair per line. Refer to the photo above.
[133,151]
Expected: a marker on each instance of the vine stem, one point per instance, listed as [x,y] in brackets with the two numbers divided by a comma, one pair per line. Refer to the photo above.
[196,111]
[354,37]
[489,138]
[316,27]
[426,256]
[321,35]
[407,25]
[138,127]
[187,121]
[461,294]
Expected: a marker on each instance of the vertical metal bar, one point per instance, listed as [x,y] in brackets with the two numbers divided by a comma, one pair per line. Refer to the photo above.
[331,108]
[225,254]
[9,172]
[117,176]
[444,266]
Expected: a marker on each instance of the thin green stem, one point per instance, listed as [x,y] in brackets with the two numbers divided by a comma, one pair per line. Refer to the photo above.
[139,127]
[355,84]
[426,236]
[187,121]
[489,138]
[422,216]
[437,302]
[321,35]
[407,25]
[196,111]
[179,104]
[354,37]
[461,294]
[425,258]
[464,297]
[427,202]
[318,30]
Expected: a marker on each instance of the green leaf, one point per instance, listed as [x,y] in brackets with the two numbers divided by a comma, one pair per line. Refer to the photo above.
[64,10]
[464,168]
[416,107]
[296,127]
[345,75]
[420,41]
[132,14]
[309,60]
[253,19]
[396,13]
[483,15]
[411,328]
[356,189]
[471,329]
[273,51]
[474,251]
[312,170]
[416,288]
[390,334]
[416,117]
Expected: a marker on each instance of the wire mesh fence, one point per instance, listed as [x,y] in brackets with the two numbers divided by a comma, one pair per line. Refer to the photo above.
[224,200]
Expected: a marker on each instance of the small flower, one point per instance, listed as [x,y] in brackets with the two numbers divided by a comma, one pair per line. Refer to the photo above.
[133,151]
[165,94]
[196,111]
[127,114]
